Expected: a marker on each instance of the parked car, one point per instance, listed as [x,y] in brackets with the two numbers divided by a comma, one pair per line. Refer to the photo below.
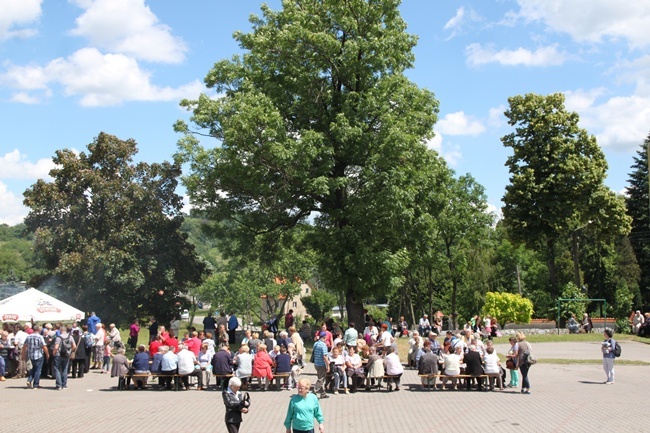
[185,315]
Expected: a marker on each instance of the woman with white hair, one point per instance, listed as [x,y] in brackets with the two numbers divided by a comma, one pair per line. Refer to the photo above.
[236,403]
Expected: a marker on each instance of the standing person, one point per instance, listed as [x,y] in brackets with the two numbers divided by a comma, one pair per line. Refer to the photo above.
[153,329]
[63,346]
[298,344]
[233,324]
[236,404]
[209,325]
[114,337]
[92,322]
[303,408]
[524,350]
[351,335]
[98,348]
[608,356]
[175,326]
[78,364]
[134,331]
[36,351]
[289,320]
[321,362]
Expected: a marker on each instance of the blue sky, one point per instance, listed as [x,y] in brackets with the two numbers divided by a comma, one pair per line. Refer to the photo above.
[70,69]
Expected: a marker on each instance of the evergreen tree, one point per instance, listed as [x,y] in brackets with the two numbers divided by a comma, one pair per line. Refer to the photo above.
[639,209]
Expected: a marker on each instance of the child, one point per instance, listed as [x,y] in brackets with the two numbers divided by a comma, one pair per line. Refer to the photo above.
[512,357]
[106,366]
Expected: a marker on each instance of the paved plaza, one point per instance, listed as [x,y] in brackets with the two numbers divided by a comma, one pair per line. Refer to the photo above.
[565,398]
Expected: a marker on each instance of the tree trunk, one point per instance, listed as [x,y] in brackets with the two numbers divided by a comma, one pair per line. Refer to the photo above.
[354,307]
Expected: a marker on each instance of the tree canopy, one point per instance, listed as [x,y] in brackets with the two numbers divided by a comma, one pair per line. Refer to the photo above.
[317,125]
[108,230]
[556,185]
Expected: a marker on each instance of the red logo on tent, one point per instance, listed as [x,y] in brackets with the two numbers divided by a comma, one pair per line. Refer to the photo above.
[10,317]
[45,306]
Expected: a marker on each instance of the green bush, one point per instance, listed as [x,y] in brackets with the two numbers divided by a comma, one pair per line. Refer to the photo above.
[623,326]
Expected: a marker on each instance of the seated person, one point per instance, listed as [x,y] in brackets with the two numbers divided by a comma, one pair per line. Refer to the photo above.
[493,367]
[222,363]
[205,364]
[374,368]
[140,365]
[337,369]
[451,363]
[120,367]
[168,367]
[572,325]
[263,367]
[428,364]
[402,327]
[244,365]
[354,369]
[473,367]
[157,360]
[283,365]
[394,369]
[587,325]
[187,364]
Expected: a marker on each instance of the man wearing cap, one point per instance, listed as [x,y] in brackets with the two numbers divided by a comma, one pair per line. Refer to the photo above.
[322,365]
[435,344]
[425,326]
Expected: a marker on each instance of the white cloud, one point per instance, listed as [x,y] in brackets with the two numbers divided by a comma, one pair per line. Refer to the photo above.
[12,211]
[128,27]
[478,55]
[460,21]
[580,100]
[99,79]
[25,98]
[14,165]
[619,122]
[460,124]
[496,117]
[495,211]
[17,13]
[449,152]
[592,20]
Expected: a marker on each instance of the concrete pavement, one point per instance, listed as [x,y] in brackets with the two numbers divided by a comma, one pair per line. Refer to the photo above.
[565,398]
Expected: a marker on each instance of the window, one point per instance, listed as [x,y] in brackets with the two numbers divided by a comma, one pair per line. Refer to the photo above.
[307,291]
[295,304]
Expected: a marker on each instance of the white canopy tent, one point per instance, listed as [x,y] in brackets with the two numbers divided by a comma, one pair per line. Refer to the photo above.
[35,305]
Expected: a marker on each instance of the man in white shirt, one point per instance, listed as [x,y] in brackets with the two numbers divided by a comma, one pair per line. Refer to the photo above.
[425,326]
[187,363]
[19,340]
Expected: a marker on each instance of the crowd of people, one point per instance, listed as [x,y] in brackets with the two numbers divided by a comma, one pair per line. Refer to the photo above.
[32,351]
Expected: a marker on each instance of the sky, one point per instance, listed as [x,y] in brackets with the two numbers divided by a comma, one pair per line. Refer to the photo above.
[70,69]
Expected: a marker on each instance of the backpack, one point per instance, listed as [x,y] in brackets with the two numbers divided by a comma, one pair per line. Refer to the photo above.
[49,342]
[617,350]
[89,340]
[65,348]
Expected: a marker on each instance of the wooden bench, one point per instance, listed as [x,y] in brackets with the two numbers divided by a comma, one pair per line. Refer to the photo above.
[277,377]
[223,378]
[122,380]
[429,378]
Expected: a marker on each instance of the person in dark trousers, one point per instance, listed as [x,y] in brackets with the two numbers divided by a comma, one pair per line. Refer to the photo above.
[236,403]
[233,324]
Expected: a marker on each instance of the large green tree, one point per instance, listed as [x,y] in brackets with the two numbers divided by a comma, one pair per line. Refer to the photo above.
[556,185]
[318,124]
[108,229]
[638,209]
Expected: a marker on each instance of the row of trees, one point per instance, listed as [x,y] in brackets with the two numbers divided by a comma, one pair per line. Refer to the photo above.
[318,170]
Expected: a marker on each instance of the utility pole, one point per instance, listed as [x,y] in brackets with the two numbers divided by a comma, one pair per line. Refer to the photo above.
[519,281]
